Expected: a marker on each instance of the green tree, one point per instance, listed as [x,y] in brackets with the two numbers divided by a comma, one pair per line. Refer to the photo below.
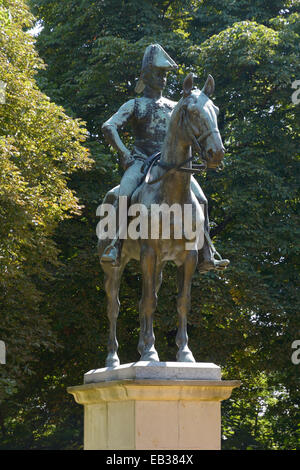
[249,314]
[255,201]
[39,146]
[210,17]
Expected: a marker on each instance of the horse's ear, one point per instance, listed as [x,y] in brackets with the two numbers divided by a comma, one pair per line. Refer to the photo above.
[188,84]
[209,86]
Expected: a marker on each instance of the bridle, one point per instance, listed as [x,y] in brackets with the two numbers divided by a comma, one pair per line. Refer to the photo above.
[197,146]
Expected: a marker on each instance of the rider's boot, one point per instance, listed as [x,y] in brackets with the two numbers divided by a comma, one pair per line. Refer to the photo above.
[209,262]
[112,253]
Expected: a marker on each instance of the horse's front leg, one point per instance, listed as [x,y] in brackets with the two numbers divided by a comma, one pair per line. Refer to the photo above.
[148,304]
[141,345]
[185,274]
[112,286]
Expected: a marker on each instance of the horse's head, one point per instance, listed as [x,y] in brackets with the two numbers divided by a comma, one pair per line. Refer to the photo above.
[199,118]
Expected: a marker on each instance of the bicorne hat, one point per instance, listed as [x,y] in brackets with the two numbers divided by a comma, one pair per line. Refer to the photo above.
[154,56]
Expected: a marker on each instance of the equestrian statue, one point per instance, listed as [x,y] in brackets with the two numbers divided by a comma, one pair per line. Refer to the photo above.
[159,170]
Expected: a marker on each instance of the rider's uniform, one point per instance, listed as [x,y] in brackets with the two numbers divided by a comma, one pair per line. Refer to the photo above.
[149,120]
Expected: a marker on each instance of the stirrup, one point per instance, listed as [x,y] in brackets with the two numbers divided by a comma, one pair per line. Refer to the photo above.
[213,264]
[217,264]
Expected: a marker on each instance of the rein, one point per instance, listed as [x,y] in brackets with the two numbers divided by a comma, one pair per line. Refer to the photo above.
[155,159]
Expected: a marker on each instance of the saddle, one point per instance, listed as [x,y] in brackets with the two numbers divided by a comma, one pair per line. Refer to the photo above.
[154,159]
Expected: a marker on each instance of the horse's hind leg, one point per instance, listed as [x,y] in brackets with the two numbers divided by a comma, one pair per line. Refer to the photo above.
[112,285]
[148,304]
[185,273]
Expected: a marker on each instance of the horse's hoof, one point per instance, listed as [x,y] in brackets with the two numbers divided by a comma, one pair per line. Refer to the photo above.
[150,356]
[185,356]
[112,360]
[141,347]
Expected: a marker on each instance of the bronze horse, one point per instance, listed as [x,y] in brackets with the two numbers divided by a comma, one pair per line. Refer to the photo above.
[193,123]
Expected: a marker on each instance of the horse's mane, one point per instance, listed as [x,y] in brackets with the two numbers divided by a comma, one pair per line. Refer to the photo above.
[176,115]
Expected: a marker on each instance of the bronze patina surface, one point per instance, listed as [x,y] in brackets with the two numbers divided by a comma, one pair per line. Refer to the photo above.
[172,129]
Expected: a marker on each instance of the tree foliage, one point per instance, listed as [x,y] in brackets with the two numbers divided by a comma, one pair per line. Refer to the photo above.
[245,319]
[39,146]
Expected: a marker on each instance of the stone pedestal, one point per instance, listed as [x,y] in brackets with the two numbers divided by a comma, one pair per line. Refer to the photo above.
[171,406]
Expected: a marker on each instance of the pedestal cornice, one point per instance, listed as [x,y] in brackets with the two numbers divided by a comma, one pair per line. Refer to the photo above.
[141,390]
